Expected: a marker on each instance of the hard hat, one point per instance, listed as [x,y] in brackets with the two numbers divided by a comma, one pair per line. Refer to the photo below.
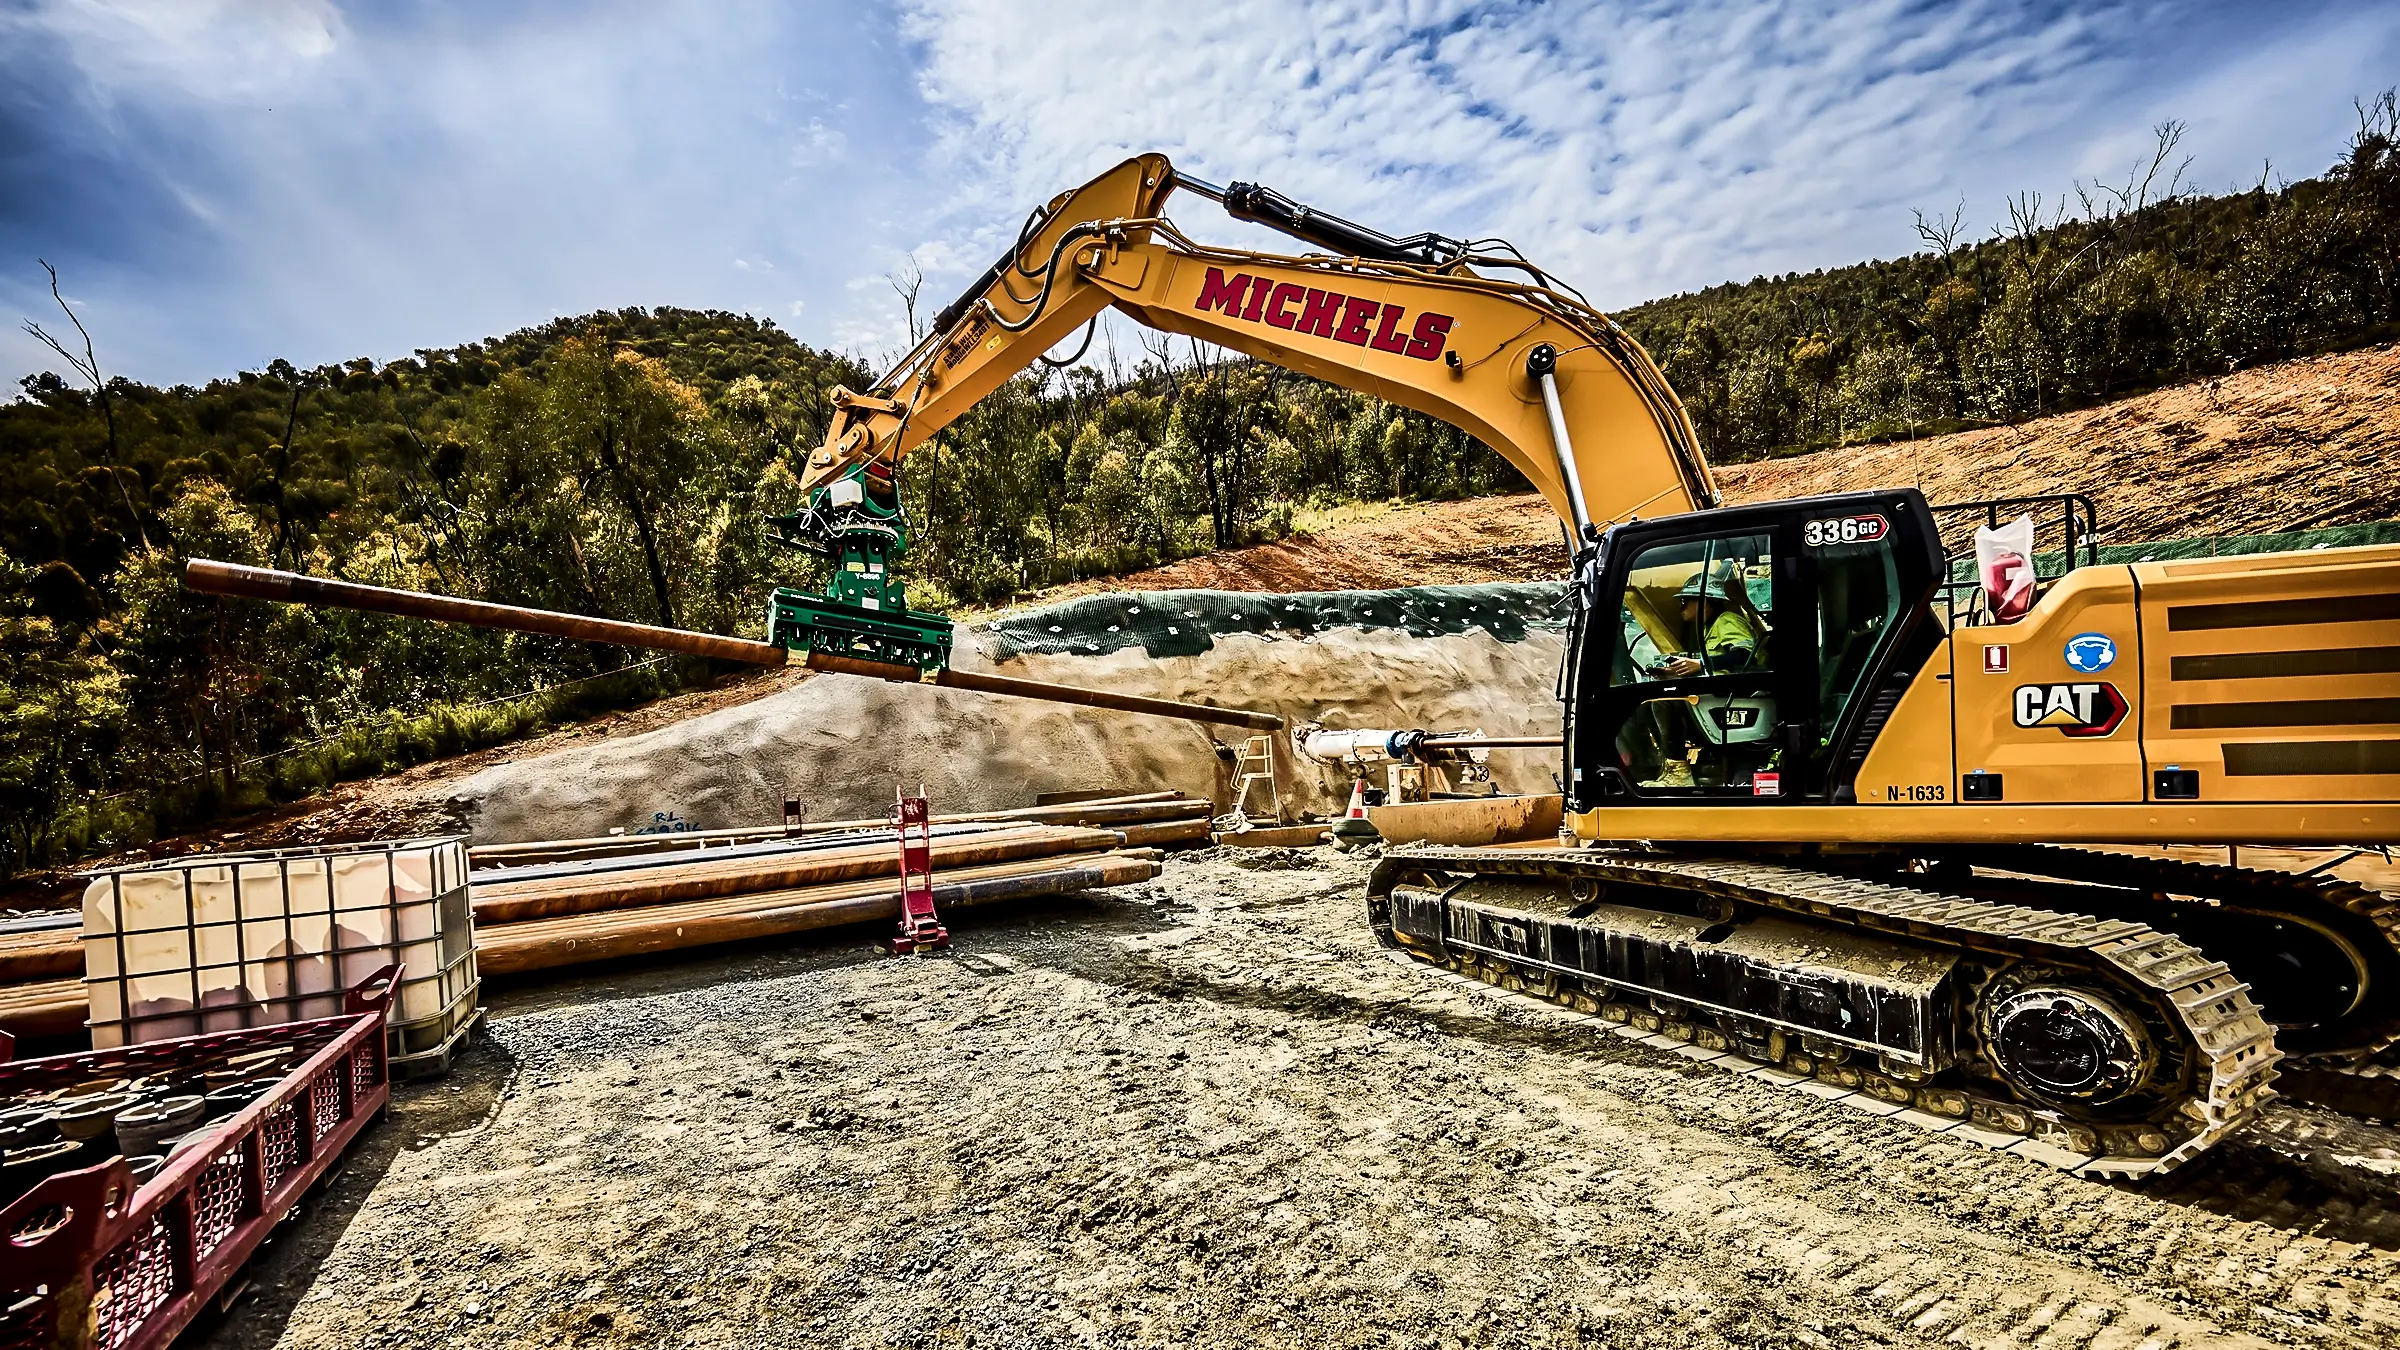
[1702,586]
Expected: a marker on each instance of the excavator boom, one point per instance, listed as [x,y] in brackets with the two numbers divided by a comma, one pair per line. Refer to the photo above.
[1551,384]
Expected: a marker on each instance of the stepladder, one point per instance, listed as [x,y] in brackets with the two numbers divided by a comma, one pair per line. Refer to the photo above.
[1254,786]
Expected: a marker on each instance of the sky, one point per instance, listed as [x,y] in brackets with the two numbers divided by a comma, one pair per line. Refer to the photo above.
[221,183]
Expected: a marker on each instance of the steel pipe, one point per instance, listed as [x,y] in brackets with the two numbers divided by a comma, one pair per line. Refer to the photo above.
[1012,687]
[265,583]
[1406,747]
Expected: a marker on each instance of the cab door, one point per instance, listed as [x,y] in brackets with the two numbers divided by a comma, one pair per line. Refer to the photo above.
[1751,654]
[1698,688]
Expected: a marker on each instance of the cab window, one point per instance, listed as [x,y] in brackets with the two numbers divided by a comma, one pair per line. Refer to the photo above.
[1693,664]
[1696,607]
[1858,601]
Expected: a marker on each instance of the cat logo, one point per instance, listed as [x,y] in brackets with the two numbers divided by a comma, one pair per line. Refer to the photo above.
[2091,709]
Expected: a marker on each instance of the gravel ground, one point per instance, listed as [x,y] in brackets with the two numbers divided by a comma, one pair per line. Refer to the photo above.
[1211,1112]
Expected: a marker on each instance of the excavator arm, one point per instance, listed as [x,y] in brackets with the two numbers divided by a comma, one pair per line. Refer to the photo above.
[1518,363]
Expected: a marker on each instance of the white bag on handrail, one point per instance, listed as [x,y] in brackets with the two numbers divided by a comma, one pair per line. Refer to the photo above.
[2004,560]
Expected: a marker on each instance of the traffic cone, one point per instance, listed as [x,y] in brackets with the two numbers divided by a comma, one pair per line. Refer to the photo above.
[1354,829]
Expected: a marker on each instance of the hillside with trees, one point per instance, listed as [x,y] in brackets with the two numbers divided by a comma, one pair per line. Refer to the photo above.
[2111,289]
[617,464]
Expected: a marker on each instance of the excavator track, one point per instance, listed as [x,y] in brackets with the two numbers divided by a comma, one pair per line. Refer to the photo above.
[2363,925]
[2369,1091]
[1864,985]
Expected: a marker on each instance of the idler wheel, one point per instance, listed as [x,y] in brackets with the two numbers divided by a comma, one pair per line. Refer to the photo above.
[2067,1045]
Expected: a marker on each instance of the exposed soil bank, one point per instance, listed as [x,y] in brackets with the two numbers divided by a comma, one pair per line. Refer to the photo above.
[2284,447]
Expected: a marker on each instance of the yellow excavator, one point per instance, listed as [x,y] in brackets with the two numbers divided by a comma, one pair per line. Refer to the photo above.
[1805,765]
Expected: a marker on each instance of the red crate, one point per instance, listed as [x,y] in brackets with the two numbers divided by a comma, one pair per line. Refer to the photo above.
[88,1260]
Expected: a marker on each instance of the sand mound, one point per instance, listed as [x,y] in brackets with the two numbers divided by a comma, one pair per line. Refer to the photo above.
[841,744]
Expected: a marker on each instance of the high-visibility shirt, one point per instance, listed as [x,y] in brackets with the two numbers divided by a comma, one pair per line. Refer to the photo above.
[1732,643]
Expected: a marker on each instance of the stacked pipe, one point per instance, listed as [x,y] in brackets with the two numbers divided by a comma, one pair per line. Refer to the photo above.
[1148,820]
[544,918]
[547,904]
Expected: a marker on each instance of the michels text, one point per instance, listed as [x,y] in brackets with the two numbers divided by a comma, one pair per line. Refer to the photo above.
[1325,314]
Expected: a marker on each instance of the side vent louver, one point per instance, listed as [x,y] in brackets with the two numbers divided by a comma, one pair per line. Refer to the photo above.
[1870,726]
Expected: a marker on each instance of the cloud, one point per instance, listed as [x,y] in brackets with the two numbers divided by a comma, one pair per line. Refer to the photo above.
[1637,148]
[289,179]
[818,145]
[206,50]
[223,182]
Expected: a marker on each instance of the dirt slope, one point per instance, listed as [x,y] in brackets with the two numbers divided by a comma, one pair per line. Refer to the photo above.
[1512,538]
[2287,447]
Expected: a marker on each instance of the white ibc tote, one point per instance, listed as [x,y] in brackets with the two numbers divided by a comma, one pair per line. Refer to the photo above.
[216,942]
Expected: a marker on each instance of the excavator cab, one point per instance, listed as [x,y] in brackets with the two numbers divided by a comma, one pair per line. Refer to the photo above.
[1735,655]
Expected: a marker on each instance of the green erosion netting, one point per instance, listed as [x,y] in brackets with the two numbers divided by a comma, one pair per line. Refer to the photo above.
[1186,623]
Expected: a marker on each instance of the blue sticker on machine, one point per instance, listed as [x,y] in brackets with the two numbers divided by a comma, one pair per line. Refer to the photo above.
[2091,653]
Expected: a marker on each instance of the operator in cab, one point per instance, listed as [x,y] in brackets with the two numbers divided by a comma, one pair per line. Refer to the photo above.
[1729,639]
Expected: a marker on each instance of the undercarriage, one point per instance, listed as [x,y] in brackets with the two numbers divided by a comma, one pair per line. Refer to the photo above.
[2114,1014]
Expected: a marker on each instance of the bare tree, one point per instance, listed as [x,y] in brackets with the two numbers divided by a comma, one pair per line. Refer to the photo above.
[2106,210]
[1942,232]
[2038,269]
[2025,223]
[907,283]
[2142,187]
[1161,347]
[87,366]
[2378,129]
[2379,117]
